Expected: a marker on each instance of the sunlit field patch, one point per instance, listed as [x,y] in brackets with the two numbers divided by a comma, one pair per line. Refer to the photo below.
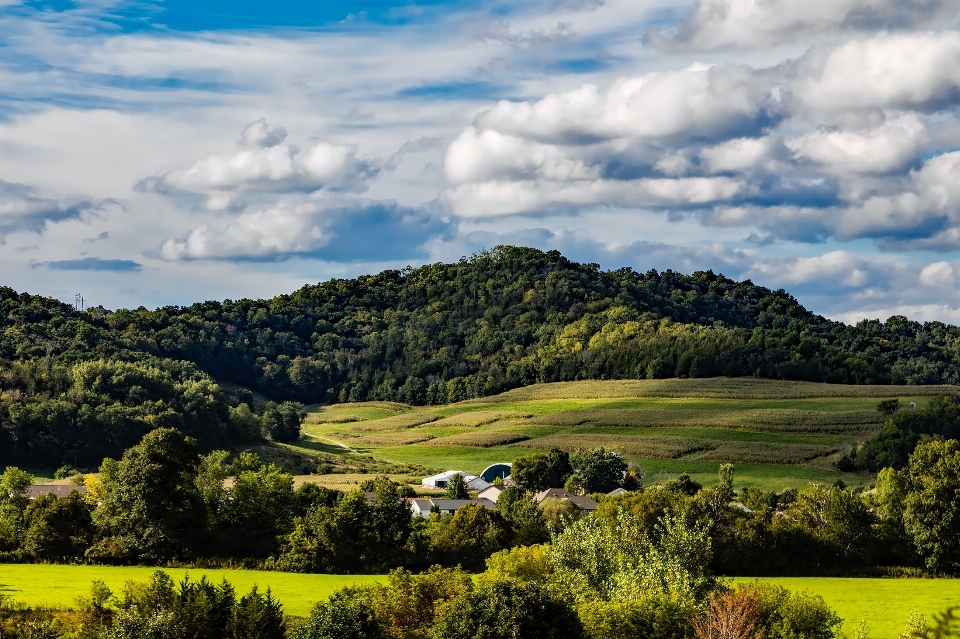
[782,434]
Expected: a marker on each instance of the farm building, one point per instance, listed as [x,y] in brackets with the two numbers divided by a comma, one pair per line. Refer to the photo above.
[584,503]
[496,471]
[420,507]
[56,490]
[491,493]
[442,480]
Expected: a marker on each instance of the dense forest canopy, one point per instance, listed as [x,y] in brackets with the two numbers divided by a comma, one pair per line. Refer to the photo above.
[500,319]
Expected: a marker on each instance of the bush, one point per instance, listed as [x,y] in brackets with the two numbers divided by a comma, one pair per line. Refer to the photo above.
[657,617]
[507,610]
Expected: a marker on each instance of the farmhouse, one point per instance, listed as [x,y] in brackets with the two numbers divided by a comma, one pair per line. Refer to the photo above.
[56,490]
[442,480]
[491,493]
[583,503]
[423,507]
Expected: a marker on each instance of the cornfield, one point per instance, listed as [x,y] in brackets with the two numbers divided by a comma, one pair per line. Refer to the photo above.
[715,388]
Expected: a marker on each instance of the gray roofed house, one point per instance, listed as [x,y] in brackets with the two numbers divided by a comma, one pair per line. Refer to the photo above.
[584,503]
[57,490]
[420,507]
[450,506]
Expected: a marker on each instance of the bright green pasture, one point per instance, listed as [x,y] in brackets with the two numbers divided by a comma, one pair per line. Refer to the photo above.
[885,604]
[58,586]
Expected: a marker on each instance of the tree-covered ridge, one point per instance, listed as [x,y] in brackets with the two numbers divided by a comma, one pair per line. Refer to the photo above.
[441,333]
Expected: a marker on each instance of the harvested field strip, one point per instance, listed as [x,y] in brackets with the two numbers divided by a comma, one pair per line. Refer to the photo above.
[655,447]
[354,412]
[383,439]
[479,418]
[399,422]
[808,421]
[716,387]
[765,453]
[779,420]
[667,447]
[714,433]
[481,440]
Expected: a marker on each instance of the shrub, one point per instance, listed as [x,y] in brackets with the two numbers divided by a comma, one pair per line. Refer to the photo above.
[506,610]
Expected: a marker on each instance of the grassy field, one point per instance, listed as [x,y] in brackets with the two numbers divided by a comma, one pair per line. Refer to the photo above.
[885,604]
[778,434]
[58,586]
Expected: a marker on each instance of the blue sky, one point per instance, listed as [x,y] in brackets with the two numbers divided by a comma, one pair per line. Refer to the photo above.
[158,153]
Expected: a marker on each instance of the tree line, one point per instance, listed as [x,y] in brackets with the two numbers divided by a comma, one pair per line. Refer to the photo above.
[439,333]
[164,501]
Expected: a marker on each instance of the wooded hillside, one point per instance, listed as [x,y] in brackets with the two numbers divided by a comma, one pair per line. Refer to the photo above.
[439,333]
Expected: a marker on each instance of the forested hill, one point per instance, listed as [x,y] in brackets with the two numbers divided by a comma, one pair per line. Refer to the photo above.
[445,332]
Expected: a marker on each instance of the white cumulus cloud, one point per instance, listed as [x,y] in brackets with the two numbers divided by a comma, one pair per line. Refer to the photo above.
[266,162]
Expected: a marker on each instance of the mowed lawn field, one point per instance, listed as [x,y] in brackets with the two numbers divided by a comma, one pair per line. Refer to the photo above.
[778,434]
[58,586]
[884,604]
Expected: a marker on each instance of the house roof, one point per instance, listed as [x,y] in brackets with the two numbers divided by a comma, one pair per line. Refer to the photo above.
[456,504]
[584,503]
[491,489]
[57,490]
[448,474]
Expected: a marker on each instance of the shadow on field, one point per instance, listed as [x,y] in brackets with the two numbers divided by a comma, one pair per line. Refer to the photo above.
[321,446]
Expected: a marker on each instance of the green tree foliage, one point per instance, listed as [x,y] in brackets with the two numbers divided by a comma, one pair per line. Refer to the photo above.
[57,529]
[520,511]
[903,430]
[470,536]
[540,471]
[340,618]
[932,503]
[162,609]
[282,421]
[13,502]
[352,535]
[599,470]
[457,488]
[505,610]
[150,504]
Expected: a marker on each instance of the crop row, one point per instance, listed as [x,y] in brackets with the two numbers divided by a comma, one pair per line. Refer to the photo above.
[668,447]
[479,418]
[716,387]
[487,439]
[399,422]
[772,419]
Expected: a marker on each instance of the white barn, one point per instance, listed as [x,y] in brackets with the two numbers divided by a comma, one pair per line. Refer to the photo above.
[442,480]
